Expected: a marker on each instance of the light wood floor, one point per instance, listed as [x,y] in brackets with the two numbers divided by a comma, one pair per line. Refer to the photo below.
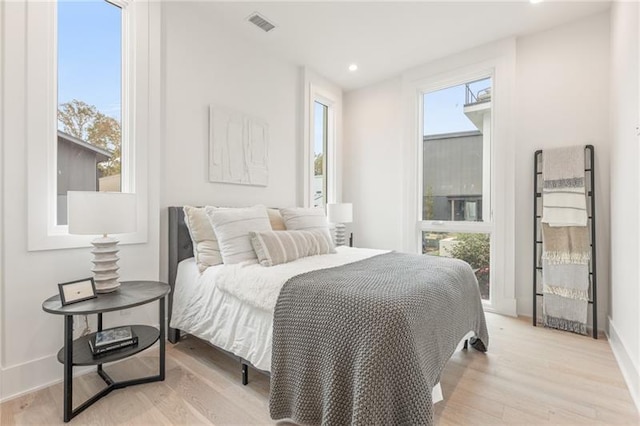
[529,376]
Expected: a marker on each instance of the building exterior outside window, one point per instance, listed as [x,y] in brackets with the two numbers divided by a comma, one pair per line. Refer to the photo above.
[456,175]
[78,170]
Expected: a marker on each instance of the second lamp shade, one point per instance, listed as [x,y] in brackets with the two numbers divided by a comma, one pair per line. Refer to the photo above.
[340,212]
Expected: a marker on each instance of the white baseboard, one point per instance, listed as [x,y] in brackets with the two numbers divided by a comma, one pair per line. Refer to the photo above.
[21,379]
[630,370]
[505,307]
[31,376]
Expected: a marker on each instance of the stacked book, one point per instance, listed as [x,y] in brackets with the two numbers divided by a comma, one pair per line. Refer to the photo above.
[111,339]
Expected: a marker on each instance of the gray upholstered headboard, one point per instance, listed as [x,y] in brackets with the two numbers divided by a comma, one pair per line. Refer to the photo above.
[180,248]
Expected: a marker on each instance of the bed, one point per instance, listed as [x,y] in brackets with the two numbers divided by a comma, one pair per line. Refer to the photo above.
[241,319]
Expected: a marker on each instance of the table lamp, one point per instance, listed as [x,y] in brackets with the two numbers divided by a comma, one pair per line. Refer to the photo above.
[102,213]
[339,214]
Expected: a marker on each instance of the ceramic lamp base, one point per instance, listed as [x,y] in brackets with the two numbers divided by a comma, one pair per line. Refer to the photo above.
[340,237]
[105,264]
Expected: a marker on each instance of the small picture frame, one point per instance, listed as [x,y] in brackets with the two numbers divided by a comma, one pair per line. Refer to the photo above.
[77,291]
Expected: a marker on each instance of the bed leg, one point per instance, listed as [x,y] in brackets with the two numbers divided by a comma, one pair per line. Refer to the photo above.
[466,344]
[174,335]
[245,374]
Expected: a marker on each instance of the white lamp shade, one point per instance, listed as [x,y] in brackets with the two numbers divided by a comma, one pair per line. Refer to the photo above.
[101,213]
[340,212]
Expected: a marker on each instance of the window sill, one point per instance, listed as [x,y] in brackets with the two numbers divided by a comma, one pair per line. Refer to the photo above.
[61,240]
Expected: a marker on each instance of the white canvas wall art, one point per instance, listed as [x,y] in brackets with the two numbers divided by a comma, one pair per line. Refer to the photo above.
[238,148]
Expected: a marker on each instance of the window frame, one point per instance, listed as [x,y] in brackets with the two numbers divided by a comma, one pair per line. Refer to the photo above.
[486,226]
[501,58]
[326,98]
[325,152]
[42,124]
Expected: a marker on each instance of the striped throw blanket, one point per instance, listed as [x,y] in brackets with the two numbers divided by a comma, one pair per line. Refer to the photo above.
[564,200]
[566,248]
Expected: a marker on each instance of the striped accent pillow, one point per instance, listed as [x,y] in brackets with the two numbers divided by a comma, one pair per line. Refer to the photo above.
[232,227]
[307,219]
[276,247]
[205,244]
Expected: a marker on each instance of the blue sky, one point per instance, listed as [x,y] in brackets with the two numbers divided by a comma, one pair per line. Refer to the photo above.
[89,54]
[443,109]
[318,126]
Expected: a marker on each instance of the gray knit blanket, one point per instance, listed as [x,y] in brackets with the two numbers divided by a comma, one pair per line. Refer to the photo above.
[365,343]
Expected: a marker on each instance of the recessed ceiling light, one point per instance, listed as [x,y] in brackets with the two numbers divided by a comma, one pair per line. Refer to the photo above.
[535,1]
[353,67]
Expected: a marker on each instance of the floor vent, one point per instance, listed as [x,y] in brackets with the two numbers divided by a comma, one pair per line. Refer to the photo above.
[261,22]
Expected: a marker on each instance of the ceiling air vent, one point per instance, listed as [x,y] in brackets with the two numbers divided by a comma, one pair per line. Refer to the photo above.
[261,22]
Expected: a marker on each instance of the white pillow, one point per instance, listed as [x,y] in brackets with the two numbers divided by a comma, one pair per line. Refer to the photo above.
[232,227]
[304,219]
[205,244]
[307,219]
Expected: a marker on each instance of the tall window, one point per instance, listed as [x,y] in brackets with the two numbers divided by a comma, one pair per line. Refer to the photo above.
[89,140]
[320,145]
[455,187]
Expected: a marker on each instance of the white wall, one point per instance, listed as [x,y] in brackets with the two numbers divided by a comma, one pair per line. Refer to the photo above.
[561,98]
[31,338]
[204,65]
[373,158]
[624,322]
[2,241]
[230,72]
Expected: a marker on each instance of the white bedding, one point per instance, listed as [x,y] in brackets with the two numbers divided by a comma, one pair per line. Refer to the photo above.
[231,306]
[259,286]
[201,309]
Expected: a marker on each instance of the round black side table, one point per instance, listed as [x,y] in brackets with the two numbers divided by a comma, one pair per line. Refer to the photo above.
[77,352]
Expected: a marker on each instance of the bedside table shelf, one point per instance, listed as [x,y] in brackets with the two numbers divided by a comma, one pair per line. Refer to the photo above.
[82,355]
